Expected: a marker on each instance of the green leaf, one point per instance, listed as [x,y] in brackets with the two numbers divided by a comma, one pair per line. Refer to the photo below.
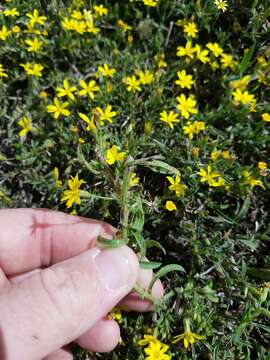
[163,271]
[157,166]
[154,243]
[246,59]
[259,273]
[244,209]
[149,265]
[110,244]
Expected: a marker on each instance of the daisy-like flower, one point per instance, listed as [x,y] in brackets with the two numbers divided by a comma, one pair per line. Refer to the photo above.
[170,205]
[134,180]
[152,3]
[209,175]
[188,50]
[188,337]
[176,185]
[113,155]
[106,115]
[133,84]
[215,49]
[90,122]
[202,54]
[106,71]
[169,118]
[191,29]
[58,108]
[221,4]
[72,195]
[25,125]
[184,80]
[66,90]
[156,351]
[88,89]
[186,105]
[266,117]
[243,97]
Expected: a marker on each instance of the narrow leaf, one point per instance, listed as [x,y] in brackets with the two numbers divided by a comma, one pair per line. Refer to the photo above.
[163,271]
[246,59]
[109,244]
[149,265]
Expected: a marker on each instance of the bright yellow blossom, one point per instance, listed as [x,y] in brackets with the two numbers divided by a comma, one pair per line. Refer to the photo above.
[147,339]
[156,351]
[215,49]
[112,155]
[115,314]
[90,122]
[100,10]
[176,185]
[33,69]
[250,180]
[193,128]
[4,33]
[35,18]
[124,26]
[243,97]
[191,29]
[227,61]
[262,165]
[188,337]
[56,180]
[188,50]
[169,118]
[133,84]
[152,3]
[146,78]
[170,205]
[88,89]
[26,126]
[106,115]
[11,12]
[241,83]
[58,108]
[72,195]
[184,80]
[209,175]
[16,29]
[91,28]
[202,54]
[66,90]
[34,45]
[106,71]
[266,117]
[3,72]
[186,105]
[134,179]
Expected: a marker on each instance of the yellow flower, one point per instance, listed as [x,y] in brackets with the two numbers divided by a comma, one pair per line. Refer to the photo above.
[66,90]
[156,351]
[184,80]
[100,10]
[170,205]
[191,29]
[106,115]
[186,105]
[115,314]
[11,12]
[209,176]
[4,33]
[58,108]
[33,69]
[26,126]
[72,195]
[133,84]
[214,65]
[134,180]
[221,4]
[147,339]
[262,165]
[152,3]
[169,118]
[215,49]
[56,180]
[91,28]
[176,185]
[241,83]
[159,58]
[88,89]
[90,122]
[34,45]
[215,154]
[188,50]
[243,97]
[202,54]
[146,77]
[3,72]
[106,71]
[195,151]
[43,94]
[266,117]
[188,337]
[112,155]
[227,61]
[193,128]
[16,29]
[35,18]
[249,180]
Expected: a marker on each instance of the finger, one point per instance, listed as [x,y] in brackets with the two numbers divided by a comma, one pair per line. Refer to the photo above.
[102,337]
[133,301]
[57,305]
[33,238]
[60,355]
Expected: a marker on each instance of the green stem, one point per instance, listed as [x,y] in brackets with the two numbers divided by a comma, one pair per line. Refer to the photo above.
[86,194]
[144,294]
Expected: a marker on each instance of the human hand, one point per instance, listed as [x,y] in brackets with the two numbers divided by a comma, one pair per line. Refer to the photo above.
[56,286]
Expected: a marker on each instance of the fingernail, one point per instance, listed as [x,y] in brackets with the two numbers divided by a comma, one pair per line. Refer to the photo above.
[116,267]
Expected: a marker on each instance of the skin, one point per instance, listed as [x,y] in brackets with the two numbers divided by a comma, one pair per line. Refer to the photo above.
[57,286]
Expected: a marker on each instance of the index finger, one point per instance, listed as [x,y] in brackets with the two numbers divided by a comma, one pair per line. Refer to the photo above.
[34,238]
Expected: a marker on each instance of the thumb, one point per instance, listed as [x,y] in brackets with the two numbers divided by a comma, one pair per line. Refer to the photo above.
[57,305]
